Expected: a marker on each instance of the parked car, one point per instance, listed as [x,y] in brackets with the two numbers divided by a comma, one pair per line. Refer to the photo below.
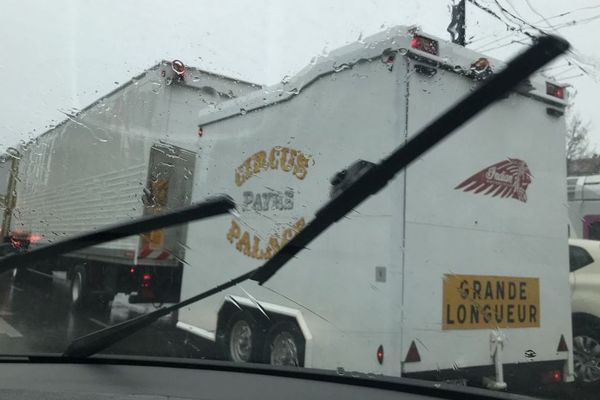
[584,264]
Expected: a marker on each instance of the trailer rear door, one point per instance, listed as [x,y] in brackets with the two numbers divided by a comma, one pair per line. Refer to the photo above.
[168,187]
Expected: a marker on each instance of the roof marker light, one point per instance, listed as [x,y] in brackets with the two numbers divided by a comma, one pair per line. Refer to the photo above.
[555,90]
[425,44]
[178,67]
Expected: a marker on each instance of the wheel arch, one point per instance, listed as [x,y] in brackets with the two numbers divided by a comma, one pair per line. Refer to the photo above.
[275,313]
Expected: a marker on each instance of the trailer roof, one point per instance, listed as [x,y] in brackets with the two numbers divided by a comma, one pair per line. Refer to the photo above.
[397,39]
[194,79]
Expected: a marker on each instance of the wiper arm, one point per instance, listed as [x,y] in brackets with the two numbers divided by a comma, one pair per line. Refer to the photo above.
[211,207]
[543,51]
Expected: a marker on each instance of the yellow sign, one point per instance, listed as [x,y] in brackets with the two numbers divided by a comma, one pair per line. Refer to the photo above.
[156,239]
[488,302]
[286,159]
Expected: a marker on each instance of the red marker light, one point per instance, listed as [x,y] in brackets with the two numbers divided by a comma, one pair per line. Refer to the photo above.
[552,376]
[425,44]
[555,90]
[380,354]
[132,270]
[178,67]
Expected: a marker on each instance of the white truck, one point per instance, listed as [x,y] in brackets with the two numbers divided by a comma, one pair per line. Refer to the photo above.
[584,206]
[457,270]
[120,158]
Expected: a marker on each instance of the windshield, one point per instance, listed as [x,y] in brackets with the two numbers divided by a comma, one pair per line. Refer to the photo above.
[476,265]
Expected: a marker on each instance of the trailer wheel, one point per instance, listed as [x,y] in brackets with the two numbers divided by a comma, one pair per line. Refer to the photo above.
[285,345]
[78,288]
[586,354]
[243,338]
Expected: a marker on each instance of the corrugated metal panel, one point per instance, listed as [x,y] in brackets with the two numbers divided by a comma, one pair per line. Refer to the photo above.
[81,205]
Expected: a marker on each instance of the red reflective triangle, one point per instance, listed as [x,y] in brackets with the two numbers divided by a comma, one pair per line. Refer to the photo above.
[413,353]
[562,344]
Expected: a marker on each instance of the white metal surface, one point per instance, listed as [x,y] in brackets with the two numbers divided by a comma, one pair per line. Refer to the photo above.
[355,105]
[584,206]
[91,170]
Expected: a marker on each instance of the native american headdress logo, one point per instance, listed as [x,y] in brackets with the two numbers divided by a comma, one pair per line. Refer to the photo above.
[509,178]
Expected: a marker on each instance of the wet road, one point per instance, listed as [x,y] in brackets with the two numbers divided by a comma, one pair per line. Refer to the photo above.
[35,317]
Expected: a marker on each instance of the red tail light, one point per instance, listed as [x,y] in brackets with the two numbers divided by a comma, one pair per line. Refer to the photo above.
[555,90]
[146,278]
[178,67]
[425,44]
[552,376]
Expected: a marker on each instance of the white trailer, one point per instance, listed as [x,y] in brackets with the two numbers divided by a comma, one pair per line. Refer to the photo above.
[457,269]
[120,158]
[584,207]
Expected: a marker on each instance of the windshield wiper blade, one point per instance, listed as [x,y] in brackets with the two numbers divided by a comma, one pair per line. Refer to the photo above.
[543,51]
[211,207]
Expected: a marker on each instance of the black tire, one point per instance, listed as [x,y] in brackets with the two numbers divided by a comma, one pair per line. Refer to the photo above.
[79,288]
[586,354]
[284,345]
[243,338]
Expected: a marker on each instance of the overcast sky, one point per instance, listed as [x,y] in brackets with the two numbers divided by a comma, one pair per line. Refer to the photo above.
[64,54]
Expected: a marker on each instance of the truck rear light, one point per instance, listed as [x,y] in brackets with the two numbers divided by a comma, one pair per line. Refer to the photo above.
[413,353]
[555,90]
[425,44]
[146,278]
[132,270]
[552,376]
[379,354]
[178,67]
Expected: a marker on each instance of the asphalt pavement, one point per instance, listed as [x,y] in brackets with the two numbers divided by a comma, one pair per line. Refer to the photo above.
[35,317]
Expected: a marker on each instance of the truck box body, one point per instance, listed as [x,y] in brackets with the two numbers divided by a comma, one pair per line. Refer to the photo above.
[412,266]
[119,159]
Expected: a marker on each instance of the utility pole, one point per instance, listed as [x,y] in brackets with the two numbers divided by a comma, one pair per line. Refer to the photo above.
[457,24]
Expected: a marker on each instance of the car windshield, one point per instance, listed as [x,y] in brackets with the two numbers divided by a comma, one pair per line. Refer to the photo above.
[477,265]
